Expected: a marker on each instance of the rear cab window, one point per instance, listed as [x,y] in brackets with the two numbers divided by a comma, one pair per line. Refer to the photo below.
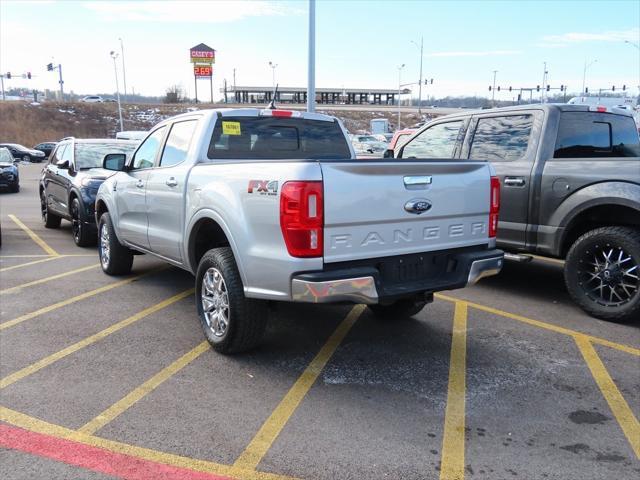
[596,135]
[501,139]
[277,139]
[437,141]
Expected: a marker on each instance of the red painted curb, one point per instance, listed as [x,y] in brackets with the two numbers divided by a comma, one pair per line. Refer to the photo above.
[94,458]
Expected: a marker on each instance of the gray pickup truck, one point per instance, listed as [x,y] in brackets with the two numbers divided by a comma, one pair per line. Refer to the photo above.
[265,205]
[570,186]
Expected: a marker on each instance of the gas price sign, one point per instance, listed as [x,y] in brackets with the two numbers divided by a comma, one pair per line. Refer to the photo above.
[202,70]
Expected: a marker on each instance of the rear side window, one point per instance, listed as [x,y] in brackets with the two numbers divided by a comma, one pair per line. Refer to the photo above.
[591,135]
[438,141]
[178,141]
[277,138]
[501,139]
[91,155]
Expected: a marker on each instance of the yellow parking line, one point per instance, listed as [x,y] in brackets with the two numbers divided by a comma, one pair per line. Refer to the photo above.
[54,357]
[620,408]
[43,255]
[140,392]
[48,279]
[261,443]
[452,463]
[33,236]
[77,298]
[545,325]
[33,424]
[42,260]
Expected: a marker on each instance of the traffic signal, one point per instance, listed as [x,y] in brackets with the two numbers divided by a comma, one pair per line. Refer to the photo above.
[548,87]
[8,75]
[537,88]
[489,87]
[509,88]
[624,87]
[29,75]
[586,90]
[498,87]
[613,88]
[49,67]
[562,88]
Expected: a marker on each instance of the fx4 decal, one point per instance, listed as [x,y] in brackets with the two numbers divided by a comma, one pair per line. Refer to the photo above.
[263,187]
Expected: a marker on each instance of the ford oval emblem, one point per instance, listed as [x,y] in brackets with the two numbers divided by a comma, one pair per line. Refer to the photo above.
[417,205]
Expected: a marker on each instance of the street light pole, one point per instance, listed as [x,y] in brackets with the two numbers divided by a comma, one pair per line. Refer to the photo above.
[638,47]
[399,90]
[114,55]
[544,79]
[420,81]
[493,90]
[584,74]
[273,73]
[124,73]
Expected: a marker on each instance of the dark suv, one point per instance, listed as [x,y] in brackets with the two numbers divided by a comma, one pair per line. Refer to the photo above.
[70,180]
[570,187]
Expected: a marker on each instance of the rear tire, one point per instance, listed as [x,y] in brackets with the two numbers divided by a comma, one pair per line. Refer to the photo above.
[602,273]
[400,309]
[15,188]
[231,322]
[115,258]
[50,220]
[83,236]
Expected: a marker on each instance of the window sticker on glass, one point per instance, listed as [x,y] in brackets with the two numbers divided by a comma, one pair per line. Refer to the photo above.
[231,128]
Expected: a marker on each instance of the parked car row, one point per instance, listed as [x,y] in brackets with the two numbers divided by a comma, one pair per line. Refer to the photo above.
[9,174]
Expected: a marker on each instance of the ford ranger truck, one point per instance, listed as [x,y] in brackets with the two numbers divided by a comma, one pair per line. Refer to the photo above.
[272,205]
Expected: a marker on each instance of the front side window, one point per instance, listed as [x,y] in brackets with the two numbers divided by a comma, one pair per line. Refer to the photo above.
[178,141]
[67,154]
[438,141]
[592,135]
[501,139]
[146,154]
[57,156]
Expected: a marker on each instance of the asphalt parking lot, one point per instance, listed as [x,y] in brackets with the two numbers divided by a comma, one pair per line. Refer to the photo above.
[105,377]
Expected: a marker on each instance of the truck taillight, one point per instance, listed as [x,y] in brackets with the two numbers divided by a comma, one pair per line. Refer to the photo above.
[494,207]
[302,218]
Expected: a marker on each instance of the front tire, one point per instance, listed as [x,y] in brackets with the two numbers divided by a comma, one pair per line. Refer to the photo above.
[49,219]
[115,258]
[82,235]
[399,309]
[602,273]
[231,322]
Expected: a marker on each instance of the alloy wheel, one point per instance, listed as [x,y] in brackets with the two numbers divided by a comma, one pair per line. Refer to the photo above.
[105,249]
[215,302]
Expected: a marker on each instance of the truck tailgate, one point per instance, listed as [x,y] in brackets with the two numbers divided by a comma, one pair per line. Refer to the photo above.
[378,209]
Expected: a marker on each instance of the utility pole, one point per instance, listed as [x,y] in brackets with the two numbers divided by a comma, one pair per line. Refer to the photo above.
[311,75]
[2,81]
[544,79]
[399,91]
[124,73]
[493,90]
[61,82]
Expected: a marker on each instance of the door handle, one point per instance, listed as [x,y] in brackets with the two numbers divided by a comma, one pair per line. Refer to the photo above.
[514,181]
[171,182]
[140,184]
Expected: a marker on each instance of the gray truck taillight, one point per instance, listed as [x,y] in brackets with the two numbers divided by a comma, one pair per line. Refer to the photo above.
[494,207]
[302,218]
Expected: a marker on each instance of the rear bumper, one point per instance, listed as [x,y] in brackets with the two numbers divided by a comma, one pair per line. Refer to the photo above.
[386,280]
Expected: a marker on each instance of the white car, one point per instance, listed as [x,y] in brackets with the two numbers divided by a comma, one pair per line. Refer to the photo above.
[92,99]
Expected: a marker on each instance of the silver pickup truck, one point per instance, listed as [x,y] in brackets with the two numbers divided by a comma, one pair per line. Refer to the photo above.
[265,205]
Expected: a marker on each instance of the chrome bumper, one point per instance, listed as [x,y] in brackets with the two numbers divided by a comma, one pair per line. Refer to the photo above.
[357,290]
[484,268]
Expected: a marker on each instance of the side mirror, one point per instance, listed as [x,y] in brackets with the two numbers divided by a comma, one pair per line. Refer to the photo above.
[114,161]
[63,165]
[388,153]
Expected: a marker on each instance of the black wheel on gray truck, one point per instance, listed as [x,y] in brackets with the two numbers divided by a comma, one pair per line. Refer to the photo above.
[399,309]
[115,258]
[50,220]
[602,273]
[231,322]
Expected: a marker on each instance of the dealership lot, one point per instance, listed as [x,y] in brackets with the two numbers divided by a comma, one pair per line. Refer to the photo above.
[107,377]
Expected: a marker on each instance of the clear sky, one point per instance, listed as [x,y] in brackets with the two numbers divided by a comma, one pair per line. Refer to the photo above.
[359,43]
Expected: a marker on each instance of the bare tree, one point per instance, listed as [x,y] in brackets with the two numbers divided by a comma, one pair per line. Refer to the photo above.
[174,94]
